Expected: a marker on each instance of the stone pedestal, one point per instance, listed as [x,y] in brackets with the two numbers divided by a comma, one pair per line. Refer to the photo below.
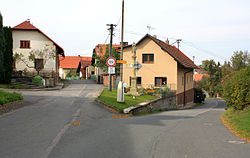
[133,88]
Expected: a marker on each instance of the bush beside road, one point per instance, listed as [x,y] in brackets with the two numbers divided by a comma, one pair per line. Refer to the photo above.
[6,97]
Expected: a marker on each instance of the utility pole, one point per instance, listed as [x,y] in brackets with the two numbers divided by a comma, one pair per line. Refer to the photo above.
[110,51]
[120,88]
[121,55]
[178,43]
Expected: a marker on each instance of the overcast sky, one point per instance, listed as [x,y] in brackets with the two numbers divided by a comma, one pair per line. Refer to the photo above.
[209,29]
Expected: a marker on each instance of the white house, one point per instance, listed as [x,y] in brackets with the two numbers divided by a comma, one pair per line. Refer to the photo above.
[34,51]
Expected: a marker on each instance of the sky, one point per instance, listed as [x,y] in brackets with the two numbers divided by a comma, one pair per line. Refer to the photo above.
[209,29]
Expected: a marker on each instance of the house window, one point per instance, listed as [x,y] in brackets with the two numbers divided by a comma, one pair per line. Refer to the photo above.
[92,72]
[147,58]
[24,44]
[39,64]
[138,80]
[159,81]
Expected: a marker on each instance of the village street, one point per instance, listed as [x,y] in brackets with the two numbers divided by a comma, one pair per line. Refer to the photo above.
[43,128]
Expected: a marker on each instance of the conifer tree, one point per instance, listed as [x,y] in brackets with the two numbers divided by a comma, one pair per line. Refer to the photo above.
[1,50]
[8,54]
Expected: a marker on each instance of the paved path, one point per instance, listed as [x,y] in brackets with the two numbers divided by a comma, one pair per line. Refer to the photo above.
[44,129]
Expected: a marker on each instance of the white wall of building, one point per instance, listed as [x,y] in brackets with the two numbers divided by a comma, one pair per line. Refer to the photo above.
[37,42]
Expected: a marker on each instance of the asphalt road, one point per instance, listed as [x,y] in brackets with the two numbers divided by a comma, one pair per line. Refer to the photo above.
[43,129]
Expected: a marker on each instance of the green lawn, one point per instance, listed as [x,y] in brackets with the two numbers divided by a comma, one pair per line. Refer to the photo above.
[13,86]
[6,97]
[238,122]
[110,98]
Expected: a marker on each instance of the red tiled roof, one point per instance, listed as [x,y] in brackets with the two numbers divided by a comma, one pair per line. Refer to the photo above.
[102,48]
[173,51]
[72,62]
[198,77]
[26,25]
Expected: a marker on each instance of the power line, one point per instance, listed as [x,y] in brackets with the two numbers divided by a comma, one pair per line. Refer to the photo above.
[204,50]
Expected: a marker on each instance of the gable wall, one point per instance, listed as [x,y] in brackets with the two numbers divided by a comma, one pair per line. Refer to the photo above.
[37,42]
[164,65]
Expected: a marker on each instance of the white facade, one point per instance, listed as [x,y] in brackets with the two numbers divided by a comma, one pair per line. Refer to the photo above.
[38,42]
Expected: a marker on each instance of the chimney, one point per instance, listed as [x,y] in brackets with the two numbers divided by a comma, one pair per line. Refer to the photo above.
[155,36]
[167,41]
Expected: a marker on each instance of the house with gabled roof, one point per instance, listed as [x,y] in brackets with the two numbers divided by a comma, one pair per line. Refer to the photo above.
[75,64]
[35,52]
[162,65]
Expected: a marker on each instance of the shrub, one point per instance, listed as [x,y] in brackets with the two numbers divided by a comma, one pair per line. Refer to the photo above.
[38,80]
[236,89]
[6,97]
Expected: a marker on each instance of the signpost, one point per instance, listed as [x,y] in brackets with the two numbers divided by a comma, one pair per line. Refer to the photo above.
[137,66]
[111,61]
[121,61]
[111,70]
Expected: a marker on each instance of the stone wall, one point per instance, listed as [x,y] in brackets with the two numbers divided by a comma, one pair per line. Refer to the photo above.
[166,102]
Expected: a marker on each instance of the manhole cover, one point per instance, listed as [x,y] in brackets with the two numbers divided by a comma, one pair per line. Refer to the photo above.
[236,142]
[208,124]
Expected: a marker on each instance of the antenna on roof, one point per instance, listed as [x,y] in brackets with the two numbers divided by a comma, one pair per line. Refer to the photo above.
[150,28]
[178,42]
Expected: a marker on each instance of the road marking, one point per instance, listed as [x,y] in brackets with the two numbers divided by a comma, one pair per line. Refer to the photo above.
[76,123]
[59,135]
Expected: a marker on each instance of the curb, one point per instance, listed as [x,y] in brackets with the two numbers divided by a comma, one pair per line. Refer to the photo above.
[109,107]
[5,108]
[58,87]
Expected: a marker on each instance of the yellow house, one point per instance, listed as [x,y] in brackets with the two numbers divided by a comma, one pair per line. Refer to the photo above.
[162,65]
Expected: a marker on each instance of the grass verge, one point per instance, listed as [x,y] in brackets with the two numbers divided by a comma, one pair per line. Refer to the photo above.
[238,122]
[6,97]
[14,86]
[110,98]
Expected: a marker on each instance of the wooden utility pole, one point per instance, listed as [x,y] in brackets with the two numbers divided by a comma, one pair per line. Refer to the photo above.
[110,51]
[121,55]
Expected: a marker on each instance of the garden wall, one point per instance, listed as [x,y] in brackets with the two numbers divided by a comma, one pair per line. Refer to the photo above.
[166,102]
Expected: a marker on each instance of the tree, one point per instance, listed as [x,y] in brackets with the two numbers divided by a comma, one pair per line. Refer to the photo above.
[240,60]
[2,48]
[236,89]
[8,55]
[101,60]
[212,83]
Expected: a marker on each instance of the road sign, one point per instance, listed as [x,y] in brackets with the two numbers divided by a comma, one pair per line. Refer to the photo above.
[137,66]
[122,61]
[111,61]
[111,70]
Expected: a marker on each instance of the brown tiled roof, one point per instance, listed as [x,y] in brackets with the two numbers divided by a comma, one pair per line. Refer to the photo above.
[72,62]
[26,25]
[173,51]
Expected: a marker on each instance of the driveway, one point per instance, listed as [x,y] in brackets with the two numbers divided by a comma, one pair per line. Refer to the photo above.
[44,129]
